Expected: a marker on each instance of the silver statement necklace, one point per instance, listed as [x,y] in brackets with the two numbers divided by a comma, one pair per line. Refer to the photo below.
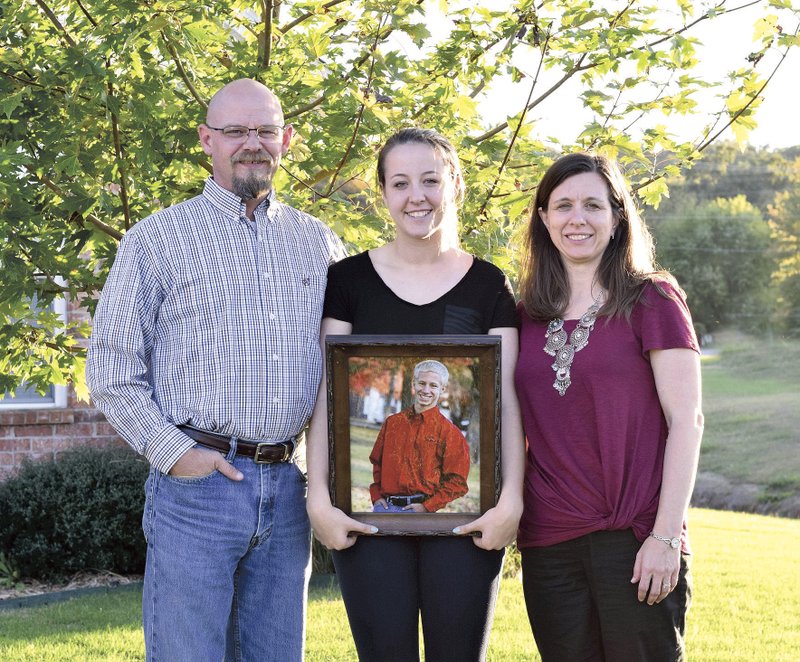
[564,351]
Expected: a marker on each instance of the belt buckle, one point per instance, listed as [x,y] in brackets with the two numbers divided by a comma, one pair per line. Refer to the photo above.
[257,457]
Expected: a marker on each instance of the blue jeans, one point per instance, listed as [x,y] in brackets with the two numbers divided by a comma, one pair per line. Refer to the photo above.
[227,566]
[389,508]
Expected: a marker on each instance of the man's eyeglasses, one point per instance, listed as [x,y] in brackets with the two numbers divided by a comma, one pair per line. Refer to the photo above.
[266,133]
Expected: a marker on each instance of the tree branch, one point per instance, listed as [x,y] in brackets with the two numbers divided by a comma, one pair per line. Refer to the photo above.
[354,68]
[107,229]
[48,277]
[348,180]
[753,98]
[31,82]
[538,100]
[298,180]
[508,47]
[54,20]
[630,124]
[575,69]
[580,67]
[103,227]
[478,89]
[610,113]
[475,92]
[181,71]
[607,117]
[700,19]
[72,349]
[285,28]
[86,13]
[507,155]
[304,109]
[267,9]
[119,152]
[361,109]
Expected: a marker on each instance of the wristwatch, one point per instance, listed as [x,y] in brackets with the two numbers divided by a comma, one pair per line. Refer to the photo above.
[672,542]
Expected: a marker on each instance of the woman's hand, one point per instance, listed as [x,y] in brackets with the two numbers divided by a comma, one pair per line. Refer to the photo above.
[334,529]
[497,526]
[656,570]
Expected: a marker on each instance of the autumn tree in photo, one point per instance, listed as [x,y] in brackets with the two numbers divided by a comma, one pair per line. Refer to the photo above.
[99,103]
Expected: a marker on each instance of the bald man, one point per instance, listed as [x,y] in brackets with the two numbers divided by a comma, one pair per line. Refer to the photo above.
[205,358]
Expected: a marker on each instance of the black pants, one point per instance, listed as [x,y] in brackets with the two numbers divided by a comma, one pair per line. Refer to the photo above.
[388,582]
[582,605]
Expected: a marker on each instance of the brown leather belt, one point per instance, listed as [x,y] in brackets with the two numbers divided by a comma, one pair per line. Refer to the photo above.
[262,452]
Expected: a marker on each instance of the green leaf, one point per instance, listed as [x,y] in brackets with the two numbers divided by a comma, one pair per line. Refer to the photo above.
[59,106]
[652,193]
[10,103]
[157,23]
[765,28]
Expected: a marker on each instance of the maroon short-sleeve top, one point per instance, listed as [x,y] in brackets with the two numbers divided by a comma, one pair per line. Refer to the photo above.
[595,454]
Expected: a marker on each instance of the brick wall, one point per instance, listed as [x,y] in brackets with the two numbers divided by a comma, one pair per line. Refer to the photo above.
[43,433]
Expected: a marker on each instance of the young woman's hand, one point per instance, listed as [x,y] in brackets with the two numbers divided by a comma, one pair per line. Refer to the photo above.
[334,529]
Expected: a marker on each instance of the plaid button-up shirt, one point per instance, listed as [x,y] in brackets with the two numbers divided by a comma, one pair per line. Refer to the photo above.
[211,319]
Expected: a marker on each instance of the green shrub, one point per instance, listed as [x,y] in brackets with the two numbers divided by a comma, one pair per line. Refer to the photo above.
[9,575]
[512,563]
[321,560]
[80,511]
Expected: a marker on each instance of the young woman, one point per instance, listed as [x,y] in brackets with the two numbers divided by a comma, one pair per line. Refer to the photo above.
[608,381]
[420,283]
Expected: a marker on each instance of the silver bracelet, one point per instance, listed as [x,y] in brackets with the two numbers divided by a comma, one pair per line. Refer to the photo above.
[675,543]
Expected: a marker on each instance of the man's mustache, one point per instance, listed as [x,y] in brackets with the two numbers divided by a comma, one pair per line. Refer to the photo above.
[253,157]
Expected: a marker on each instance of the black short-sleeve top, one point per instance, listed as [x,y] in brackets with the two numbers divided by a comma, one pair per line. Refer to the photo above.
[481,300]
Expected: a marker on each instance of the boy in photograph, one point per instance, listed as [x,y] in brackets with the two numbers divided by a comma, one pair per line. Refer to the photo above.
[420,460]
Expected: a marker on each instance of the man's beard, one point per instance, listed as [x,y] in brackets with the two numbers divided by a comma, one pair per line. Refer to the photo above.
[251,187]
[254,185]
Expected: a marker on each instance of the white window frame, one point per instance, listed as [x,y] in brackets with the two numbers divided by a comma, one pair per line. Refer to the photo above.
[59,400]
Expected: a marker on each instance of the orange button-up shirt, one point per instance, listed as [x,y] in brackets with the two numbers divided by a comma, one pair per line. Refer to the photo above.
[420,453]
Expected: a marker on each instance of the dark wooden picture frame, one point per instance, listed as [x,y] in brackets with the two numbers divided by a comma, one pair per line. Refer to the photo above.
[349,358]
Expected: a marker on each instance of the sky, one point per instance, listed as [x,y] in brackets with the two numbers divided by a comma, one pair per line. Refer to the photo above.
[777,115]
[726,42]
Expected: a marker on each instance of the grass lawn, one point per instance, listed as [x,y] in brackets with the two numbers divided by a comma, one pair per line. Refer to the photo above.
[745,607]
[751,401]
[746,574]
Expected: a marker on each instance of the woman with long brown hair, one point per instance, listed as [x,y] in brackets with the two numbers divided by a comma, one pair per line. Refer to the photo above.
[608,380]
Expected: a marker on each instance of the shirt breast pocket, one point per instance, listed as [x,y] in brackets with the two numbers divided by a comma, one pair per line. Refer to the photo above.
[306,291]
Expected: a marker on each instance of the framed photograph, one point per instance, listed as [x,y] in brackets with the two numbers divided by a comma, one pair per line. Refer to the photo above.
[414,430]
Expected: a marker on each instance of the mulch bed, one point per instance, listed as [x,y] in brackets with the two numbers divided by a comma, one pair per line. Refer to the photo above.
[81,580]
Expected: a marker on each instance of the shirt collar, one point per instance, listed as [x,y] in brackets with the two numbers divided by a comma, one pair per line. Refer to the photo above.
[231,205]
[425,415]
